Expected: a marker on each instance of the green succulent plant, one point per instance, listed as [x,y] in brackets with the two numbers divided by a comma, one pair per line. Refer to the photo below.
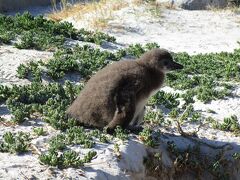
[15,143]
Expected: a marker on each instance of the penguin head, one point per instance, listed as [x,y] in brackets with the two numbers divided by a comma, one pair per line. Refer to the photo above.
[160,59]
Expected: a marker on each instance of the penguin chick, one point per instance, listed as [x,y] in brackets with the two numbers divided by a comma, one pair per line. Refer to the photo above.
[116,95]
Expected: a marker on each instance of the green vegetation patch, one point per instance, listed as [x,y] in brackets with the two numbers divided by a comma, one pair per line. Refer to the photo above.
[146,137]
[84,60]
[15,143]
[29,32]
[39,131]
[48,101]
[120,133]
[73,136]
[169,100]
[230,124]
[204,74]
[59,153]
[67,159]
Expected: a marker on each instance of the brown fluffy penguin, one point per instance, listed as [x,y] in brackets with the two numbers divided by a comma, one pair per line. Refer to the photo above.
[116,95]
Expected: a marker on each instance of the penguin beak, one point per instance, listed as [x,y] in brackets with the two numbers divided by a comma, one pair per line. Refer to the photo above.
[175,66]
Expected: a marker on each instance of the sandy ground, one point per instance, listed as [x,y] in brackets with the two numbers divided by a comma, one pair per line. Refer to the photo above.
[176,30]
[11,58]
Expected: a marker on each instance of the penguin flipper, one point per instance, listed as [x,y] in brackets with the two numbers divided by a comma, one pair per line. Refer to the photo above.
[125,109]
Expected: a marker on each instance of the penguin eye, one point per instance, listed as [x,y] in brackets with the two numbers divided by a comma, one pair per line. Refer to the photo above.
[165,63]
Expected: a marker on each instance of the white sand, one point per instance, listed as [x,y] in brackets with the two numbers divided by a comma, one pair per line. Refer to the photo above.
[181,30]
[11,58]
[176,30]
